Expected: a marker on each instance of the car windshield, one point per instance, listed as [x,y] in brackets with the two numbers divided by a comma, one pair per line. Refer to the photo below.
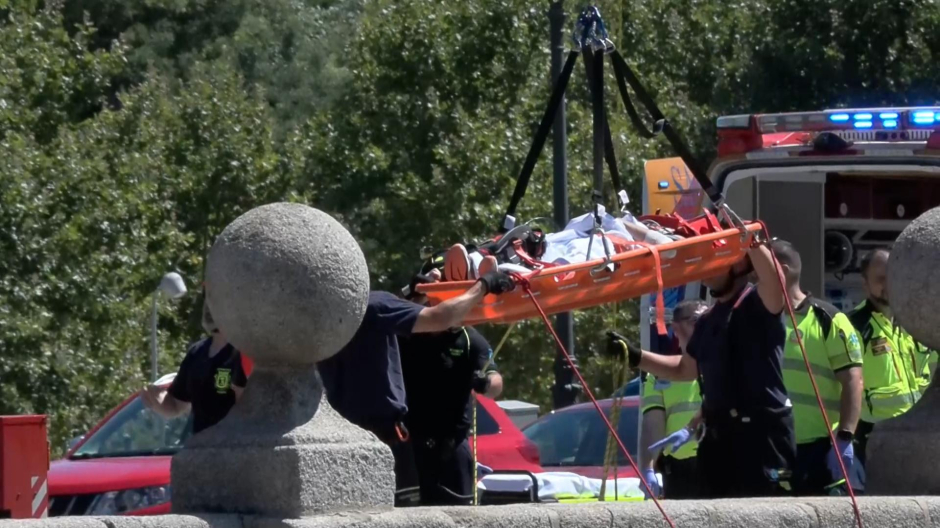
[136,431]
[579,437]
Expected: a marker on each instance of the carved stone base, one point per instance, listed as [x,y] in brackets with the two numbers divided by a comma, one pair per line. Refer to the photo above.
[283,452]
[902,450]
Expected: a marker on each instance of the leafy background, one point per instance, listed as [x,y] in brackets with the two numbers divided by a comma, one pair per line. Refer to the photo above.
[133,131]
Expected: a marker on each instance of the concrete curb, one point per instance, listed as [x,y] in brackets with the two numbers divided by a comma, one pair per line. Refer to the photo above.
[907,512]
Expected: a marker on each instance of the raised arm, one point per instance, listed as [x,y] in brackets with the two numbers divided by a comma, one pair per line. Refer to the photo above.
[769,278]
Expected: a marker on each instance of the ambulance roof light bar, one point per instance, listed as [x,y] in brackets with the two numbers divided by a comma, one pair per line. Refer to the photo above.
[912,118]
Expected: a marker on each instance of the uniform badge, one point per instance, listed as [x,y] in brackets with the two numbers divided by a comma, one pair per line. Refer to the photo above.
[880,346]
[794,333]
[223,380]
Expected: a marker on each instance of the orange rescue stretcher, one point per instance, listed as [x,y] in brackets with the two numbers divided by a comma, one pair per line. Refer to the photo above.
[626,275]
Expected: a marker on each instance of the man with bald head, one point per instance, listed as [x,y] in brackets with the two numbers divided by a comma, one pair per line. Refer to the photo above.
[896,369]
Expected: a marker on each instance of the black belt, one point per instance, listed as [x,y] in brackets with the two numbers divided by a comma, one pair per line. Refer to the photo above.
[448,442]
[733,415]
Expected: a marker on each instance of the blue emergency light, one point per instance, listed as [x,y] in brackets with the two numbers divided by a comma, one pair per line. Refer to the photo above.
[839,118]
[924,117]
[863,124]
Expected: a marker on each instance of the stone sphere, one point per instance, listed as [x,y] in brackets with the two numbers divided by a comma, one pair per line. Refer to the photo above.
[914,279]
[287,284]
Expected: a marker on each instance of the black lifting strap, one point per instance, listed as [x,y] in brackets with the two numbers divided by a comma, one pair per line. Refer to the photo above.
[609,155]
[625,76]
[554,103]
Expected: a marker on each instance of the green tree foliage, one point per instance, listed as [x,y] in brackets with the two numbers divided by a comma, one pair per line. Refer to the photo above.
[132,132]
[424,147]
[93,213]
[289,49]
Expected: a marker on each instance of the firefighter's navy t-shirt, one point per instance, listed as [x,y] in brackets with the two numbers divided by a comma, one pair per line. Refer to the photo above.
[439,371]
[206,382]
[364,380]
[738,345]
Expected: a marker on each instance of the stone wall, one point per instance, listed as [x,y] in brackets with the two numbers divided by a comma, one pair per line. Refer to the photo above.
[893,512]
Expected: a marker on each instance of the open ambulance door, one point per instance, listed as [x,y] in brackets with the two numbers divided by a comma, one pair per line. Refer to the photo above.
[668,187]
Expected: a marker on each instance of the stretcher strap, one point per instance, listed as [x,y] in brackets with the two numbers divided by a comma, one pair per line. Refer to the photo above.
[587,389]
[623,73]
[822,408]
[660,298]
[548,117]
[610,156]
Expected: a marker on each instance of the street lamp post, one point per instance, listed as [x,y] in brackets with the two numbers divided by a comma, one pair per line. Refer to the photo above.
[172,286]
[565,390]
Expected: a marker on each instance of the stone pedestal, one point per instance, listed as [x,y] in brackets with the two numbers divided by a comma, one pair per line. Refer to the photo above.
[287,285]
[914,279]
[283,452]
[902,450]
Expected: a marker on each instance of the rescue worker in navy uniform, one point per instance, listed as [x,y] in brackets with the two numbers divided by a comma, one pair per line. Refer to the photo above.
[209,381]
[736,351]
[440,371]
[364,380]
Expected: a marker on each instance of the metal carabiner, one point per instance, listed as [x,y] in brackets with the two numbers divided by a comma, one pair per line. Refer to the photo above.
[735,221]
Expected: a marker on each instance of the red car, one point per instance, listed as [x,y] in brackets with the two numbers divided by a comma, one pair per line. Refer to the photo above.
[122,466]
[574,439]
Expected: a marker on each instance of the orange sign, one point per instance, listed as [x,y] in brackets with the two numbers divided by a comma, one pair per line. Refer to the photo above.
[671,188]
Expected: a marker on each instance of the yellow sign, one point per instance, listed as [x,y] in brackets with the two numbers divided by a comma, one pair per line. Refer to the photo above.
[671,188]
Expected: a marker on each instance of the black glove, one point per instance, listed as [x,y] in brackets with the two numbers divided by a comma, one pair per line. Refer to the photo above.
[410,291]
[480,383]
[497,282]
[617,346]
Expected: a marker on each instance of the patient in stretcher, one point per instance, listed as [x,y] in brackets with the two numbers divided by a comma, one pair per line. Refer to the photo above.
[524,249]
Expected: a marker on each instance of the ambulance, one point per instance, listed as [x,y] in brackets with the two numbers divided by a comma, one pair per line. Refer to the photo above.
[835,183]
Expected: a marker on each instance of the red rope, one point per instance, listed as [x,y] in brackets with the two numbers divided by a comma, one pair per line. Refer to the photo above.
[812,379]
[525,286]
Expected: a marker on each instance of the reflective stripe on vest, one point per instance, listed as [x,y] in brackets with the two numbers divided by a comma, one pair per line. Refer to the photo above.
[809,400]
[883,406]
[809,424]
[684,407]
[653,400]
[819,371]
